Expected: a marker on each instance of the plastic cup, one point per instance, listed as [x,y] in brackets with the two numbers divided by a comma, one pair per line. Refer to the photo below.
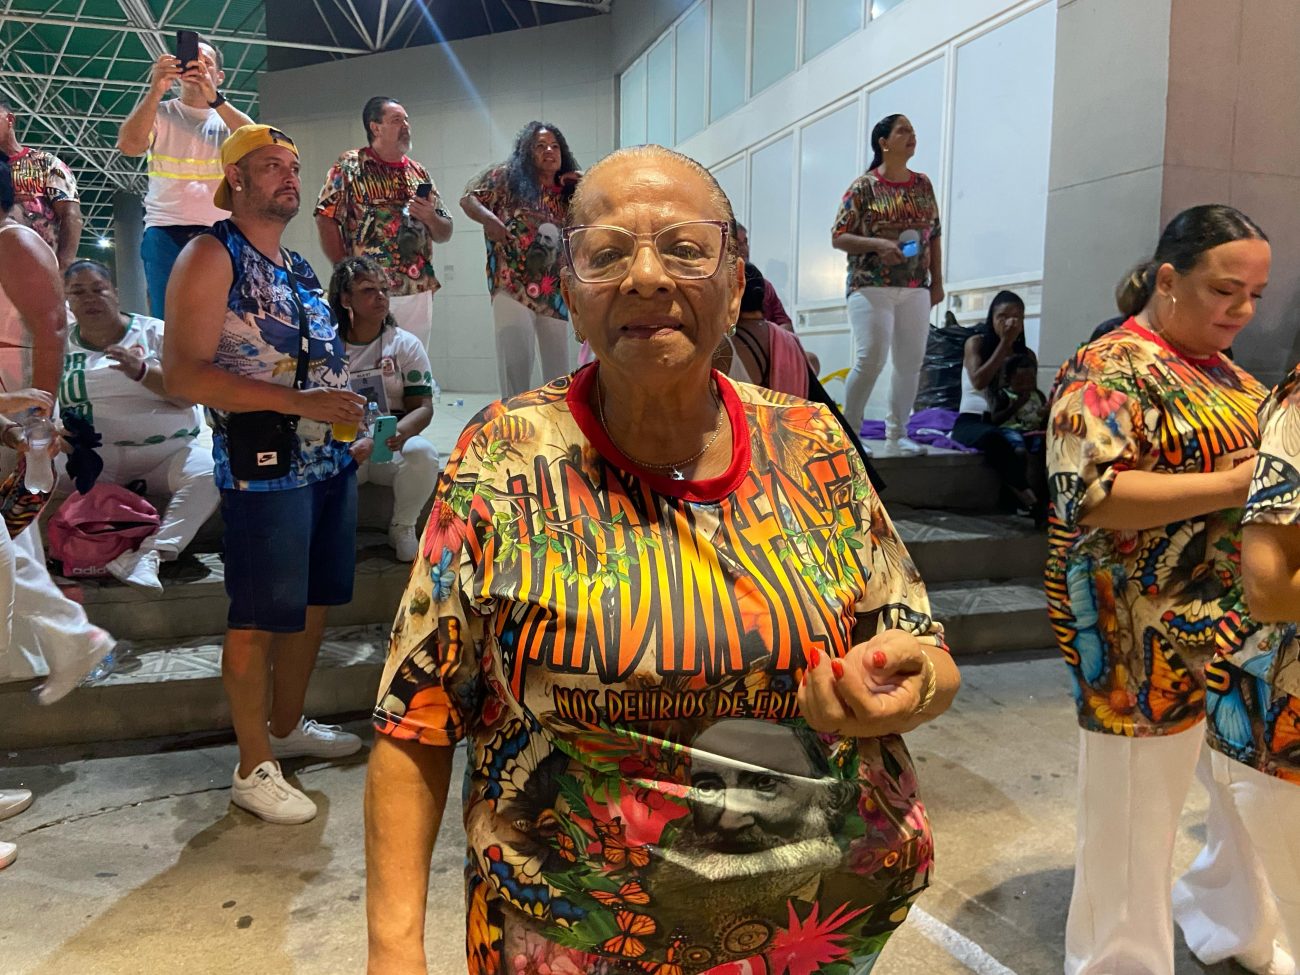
[345,432]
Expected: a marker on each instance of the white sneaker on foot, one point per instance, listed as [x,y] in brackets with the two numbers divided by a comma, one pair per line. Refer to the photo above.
[315,740]
[14,801]
[405,542]
[268,796]
[1280,964]
[8,853]
[60,684]
[137,569]
[906,446]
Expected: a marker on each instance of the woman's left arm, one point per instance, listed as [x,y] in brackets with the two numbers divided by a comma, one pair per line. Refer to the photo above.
[937,294]
[1270,569]
[419,413]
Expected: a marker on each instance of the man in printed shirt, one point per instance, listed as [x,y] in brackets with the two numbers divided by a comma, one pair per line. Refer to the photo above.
[45,189]
[377,202]
[182,138]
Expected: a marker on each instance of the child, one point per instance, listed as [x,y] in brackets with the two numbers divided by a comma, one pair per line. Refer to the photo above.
[1021,408]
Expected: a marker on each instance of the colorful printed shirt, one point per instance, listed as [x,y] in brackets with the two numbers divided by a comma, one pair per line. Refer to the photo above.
[1032,414]
[904,212]
[122,411]
[1137,613]
[527,265]
[390,368]
[623,653]
[259,340]
[368,198]
[41,180]
[1253,691]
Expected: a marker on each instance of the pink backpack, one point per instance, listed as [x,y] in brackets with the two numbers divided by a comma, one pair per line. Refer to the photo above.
[91,530]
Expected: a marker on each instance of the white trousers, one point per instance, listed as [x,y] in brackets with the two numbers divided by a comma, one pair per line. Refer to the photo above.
[1262,811]
[893,322]
[518,328]
[412,475]
[182,469]
[1131,794]
[415,314]
[41,630]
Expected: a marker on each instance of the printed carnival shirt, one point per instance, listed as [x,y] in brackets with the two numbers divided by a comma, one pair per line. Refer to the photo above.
[1253,691]
[876,207]
[527,265]
[42,179]
[623,653]
[1138,614]
[368,198]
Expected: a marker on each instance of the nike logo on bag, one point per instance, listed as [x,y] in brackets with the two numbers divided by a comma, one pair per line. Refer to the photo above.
[267,458]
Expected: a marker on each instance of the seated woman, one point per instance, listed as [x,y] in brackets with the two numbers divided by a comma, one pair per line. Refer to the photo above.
[112,378]
[987,351]
[389,366]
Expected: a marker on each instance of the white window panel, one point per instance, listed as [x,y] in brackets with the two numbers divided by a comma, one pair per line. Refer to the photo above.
[771,216]
[919,95]
[731,178]
[631,105]
[828,163]
[776,27]
[826,22]
[692,65]
[878,7]
[659,89]
[728,40]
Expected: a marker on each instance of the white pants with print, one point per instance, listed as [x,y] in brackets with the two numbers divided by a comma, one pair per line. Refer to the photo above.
[181,468]
[518,328]
[412,475]
[893,322]
[41,630]
[1131,794]
[415,314]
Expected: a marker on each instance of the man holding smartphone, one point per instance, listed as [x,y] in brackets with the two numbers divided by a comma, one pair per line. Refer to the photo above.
[379,203]
[182,138]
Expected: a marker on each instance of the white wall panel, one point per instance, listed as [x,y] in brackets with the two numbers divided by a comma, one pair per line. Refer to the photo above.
[659,93]
[919,95]
[631,106]
[771,230]
[828,163]
[827,22]
[692,70]
[776,27]
[728,41]
[731,178]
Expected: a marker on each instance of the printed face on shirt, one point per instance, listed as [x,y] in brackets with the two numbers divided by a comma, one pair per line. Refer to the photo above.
[648,319]
[1203,310]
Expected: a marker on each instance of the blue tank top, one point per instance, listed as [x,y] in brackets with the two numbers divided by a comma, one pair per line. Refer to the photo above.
[259,340]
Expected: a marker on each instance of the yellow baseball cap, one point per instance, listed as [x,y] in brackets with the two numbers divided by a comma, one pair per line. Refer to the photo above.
[246,139]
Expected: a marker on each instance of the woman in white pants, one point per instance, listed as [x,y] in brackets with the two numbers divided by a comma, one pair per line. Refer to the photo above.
[888,225]
[390,367]
[1149,429]
[523,204]
[112,378]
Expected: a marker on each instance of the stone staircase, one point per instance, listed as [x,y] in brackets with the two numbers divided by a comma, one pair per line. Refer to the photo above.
[983,572]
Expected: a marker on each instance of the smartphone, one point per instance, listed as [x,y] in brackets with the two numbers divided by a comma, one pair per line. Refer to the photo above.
[423,190]
[187,47]
[384,427]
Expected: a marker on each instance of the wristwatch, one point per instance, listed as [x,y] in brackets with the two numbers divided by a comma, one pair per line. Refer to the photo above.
[220,100]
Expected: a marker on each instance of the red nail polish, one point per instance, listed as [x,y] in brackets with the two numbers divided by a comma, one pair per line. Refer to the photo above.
[878,659]
[815,656]
[837,668]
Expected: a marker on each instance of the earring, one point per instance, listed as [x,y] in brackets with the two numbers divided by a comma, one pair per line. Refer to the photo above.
[579,337]
[732,330]
[239,188]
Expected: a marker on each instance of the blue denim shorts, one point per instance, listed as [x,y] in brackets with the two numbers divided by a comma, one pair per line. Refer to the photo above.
[287,550]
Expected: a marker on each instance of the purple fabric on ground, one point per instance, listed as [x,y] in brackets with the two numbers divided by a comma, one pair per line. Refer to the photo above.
[927,426]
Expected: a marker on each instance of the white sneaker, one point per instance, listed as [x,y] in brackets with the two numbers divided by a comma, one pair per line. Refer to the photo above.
[1280,964]
[8,853]
[405,542]
[315,740]
[137,569]
[60,684]
[906,446]
[266,795]
[14,801]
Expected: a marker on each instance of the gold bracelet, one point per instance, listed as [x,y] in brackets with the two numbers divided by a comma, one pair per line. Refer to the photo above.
[929,684]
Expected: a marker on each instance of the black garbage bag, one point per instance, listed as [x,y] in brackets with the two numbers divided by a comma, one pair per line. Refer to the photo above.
[941,369]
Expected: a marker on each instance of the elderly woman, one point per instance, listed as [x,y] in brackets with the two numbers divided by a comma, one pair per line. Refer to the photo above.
[522,204]
[681,635]
[112,378]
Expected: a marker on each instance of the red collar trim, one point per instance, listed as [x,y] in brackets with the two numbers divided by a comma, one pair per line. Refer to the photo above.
[20,154]
[880,177]
[705,491]
[1150,336]
[400,164]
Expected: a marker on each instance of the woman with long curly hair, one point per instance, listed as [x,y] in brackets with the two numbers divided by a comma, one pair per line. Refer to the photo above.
[522,204]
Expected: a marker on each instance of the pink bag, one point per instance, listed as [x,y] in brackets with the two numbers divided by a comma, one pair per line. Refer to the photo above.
[91,530]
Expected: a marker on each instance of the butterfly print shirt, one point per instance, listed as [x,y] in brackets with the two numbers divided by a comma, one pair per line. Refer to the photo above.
[623,654]
[1137,614]
[1253,689]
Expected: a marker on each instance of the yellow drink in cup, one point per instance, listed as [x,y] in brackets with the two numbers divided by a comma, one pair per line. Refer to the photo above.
[345,432]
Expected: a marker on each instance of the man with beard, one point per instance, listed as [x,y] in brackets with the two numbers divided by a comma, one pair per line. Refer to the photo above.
[379,203]
[758,836]
[252,338]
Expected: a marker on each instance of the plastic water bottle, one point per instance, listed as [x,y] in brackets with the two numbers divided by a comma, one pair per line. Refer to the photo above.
[39,431]
[437,393]
[368,422]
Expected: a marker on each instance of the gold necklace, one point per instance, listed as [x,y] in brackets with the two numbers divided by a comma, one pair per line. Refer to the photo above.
[675,468]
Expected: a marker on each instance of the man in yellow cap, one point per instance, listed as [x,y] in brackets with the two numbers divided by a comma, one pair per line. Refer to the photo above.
[251,337]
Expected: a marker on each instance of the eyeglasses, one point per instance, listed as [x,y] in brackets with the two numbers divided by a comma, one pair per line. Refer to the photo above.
[687,251]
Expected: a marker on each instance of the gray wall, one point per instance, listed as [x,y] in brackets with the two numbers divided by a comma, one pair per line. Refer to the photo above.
[466,100]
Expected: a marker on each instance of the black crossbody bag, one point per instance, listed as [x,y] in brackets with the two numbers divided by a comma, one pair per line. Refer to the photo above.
[261,443]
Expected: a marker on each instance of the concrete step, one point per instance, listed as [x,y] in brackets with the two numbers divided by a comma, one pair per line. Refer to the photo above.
[936,479]
[166,687]
[987,616]
[950,547]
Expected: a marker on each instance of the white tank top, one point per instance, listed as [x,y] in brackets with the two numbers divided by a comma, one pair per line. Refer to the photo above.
[737,370]
[972,400]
